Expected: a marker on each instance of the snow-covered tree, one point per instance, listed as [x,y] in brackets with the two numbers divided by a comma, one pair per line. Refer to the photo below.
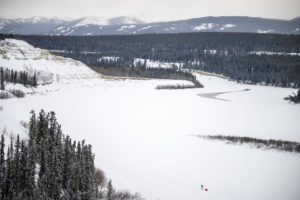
[49,165]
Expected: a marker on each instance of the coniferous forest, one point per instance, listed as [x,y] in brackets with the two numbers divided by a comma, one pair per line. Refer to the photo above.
[268,59]
[14,77]
[50,165]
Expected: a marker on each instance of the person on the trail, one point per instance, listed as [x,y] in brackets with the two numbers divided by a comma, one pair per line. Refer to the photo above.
[201,187]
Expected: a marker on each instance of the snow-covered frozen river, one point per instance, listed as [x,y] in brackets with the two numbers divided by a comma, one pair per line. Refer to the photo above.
[142,136]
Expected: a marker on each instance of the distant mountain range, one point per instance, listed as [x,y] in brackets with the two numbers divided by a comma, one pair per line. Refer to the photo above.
[126,25]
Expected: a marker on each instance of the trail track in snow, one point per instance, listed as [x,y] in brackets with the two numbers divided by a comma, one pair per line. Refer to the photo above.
[213,95]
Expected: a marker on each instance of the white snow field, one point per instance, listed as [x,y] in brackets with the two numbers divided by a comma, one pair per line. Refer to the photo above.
[143,137]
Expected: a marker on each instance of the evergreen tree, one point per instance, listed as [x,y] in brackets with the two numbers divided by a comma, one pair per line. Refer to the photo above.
[2,85]
[66,164]
[43,183]
[34,80]
[32,126]
[32,160]
[2,167]
[89,171]
[10,173]
[11,78]
[24,172]
[42,127]
[110,191]
[17,168]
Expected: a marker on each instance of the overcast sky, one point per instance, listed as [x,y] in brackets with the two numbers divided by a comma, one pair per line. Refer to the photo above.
[150,10]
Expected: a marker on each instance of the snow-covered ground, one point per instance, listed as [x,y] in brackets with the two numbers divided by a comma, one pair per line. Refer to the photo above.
[204,26]
[274,53]
[156,64]
[53,72]
[143,137]
[265,31]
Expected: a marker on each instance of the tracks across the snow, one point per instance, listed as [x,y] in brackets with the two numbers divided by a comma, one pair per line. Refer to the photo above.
[214,95]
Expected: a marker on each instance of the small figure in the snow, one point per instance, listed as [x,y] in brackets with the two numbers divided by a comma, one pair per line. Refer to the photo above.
[201,187]
[205,189]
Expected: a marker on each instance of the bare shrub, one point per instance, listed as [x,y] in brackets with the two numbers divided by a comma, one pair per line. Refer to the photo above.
[5,95]
[17,93]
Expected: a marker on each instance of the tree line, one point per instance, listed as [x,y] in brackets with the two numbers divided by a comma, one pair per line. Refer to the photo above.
[13,76]
[50,166]
[143,72]
[279,145]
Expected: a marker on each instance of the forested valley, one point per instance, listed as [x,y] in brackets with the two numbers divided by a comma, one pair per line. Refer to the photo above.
[267,59]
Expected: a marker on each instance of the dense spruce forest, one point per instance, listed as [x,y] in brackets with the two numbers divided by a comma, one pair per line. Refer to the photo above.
[51,166]
[14,77]
[246,57]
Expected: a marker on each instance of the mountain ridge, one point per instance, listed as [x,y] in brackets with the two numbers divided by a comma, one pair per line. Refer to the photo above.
[129,25]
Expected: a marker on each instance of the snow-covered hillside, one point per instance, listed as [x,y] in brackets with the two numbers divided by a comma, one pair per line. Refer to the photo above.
[144,140]
[102,21]
[53,72]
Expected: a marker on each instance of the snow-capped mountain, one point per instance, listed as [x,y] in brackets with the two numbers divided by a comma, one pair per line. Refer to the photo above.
[101,21]
[125,20]
[97,21]
[34,25]
[42,25]
[127,25]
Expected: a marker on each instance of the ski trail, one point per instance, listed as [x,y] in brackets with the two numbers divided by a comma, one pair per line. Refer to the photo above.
[214,95]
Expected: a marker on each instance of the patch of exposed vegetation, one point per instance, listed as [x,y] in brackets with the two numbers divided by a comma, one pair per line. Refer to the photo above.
[295,98]
[154,73]
[279,145]
[17,93]
[178,86]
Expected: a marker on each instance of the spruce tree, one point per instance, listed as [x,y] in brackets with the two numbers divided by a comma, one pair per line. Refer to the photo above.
[110,191]
[15,77]
[2,167]
[32,160]
[2,85]
[66,163]
[11,78]
[24,172]
[34,80]
[58,163]
[17,168]
[42,127]
[89,171]
[10,173]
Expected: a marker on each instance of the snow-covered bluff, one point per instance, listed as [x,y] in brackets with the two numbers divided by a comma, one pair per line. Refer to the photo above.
[53,72]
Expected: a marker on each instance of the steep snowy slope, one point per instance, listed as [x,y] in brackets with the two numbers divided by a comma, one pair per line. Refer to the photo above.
[53,72]
[143,138]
